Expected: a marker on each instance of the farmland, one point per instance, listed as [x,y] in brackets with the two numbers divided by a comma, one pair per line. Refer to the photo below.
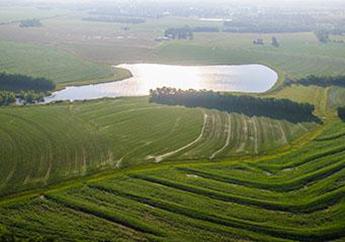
[52,64]
[14,14]
[248,200]
[56,142]
[127,169]
[299,54]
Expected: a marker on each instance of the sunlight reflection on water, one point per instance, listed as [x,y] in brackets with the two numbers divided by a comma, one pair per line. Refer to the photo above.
[241,78]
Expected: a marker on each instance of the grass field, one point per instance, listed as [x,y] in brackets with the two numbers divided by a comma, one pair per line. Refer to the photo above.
[61,67]
[318,96]
[10,14]
[336,97]
[299,196]
[130,170]
[46,144]
[299,54]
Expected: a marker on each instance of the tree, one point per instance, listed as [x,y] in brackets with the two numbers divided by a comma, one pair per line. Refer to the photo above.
[179,33]
[27,23]
[7,98]
[322,36]
[275,42]
[341,113]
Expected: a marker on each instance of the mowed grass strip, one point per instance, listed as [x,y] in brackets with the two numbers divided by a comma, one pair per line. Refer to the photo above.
[104,213]
[25,221]
[286,233]
[286,186]
[315,204]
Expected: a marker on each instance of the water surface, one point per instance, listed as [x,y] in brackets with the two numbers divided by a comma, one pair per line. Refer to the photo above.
[238,78]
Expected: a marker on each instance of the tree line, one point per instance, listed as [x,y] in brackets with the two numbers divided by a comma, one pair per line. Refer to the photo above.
[322,36]
[323,81]
[27,23]
[205,29]
[187,32]
[179,33]
[270,23]
[115,19]
[24,89]
[7,98]
[23,97]
[248,105]
[17,83]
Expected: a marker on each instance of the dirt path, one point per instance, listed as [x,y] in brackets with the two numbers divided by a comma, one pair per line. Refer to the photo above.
[159,158]
[227,142]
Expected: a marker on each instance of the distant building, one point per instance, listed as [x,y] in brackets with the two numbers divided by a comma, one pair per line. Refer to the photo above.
[162,38]
[258,42]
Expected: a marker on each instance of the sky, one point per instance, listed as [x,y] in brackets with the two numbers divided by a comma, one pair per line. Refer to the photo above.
[247,1]
[304,3]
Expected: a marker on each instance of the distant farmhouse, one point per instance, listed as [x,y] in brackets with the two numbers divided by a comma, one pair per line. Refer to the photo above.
[258,41]
[162,38]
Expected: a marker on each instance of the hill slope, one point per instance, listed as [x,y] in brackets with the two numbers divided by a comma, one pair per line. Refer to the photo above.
[45,144]
[297,197]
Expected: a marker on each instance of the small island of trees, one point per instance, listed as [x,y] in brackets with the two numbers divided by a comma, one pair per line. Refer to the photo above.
[248,105]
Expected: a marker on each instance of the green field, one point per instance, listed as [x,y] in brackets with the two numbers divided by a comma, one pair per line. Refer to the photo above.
[53,64]
[9,14]
[46,144]
[299,54]
[229,201]
[126,169]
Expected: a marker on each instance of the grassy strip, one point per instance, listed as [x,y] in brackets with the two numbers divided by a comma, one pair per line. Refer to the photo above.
[331,137]
[313,157]
[119,74]
[288,186]
[313,205]
[319,234]
[103,213]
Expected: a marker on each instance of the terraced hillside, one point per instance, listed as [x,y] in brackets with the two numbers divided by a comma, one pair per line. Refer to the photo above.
[44,144]
[299,196]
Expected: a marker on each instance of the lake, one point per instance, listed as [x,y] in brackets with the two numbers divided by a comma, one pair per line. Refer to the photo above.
[224,78]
